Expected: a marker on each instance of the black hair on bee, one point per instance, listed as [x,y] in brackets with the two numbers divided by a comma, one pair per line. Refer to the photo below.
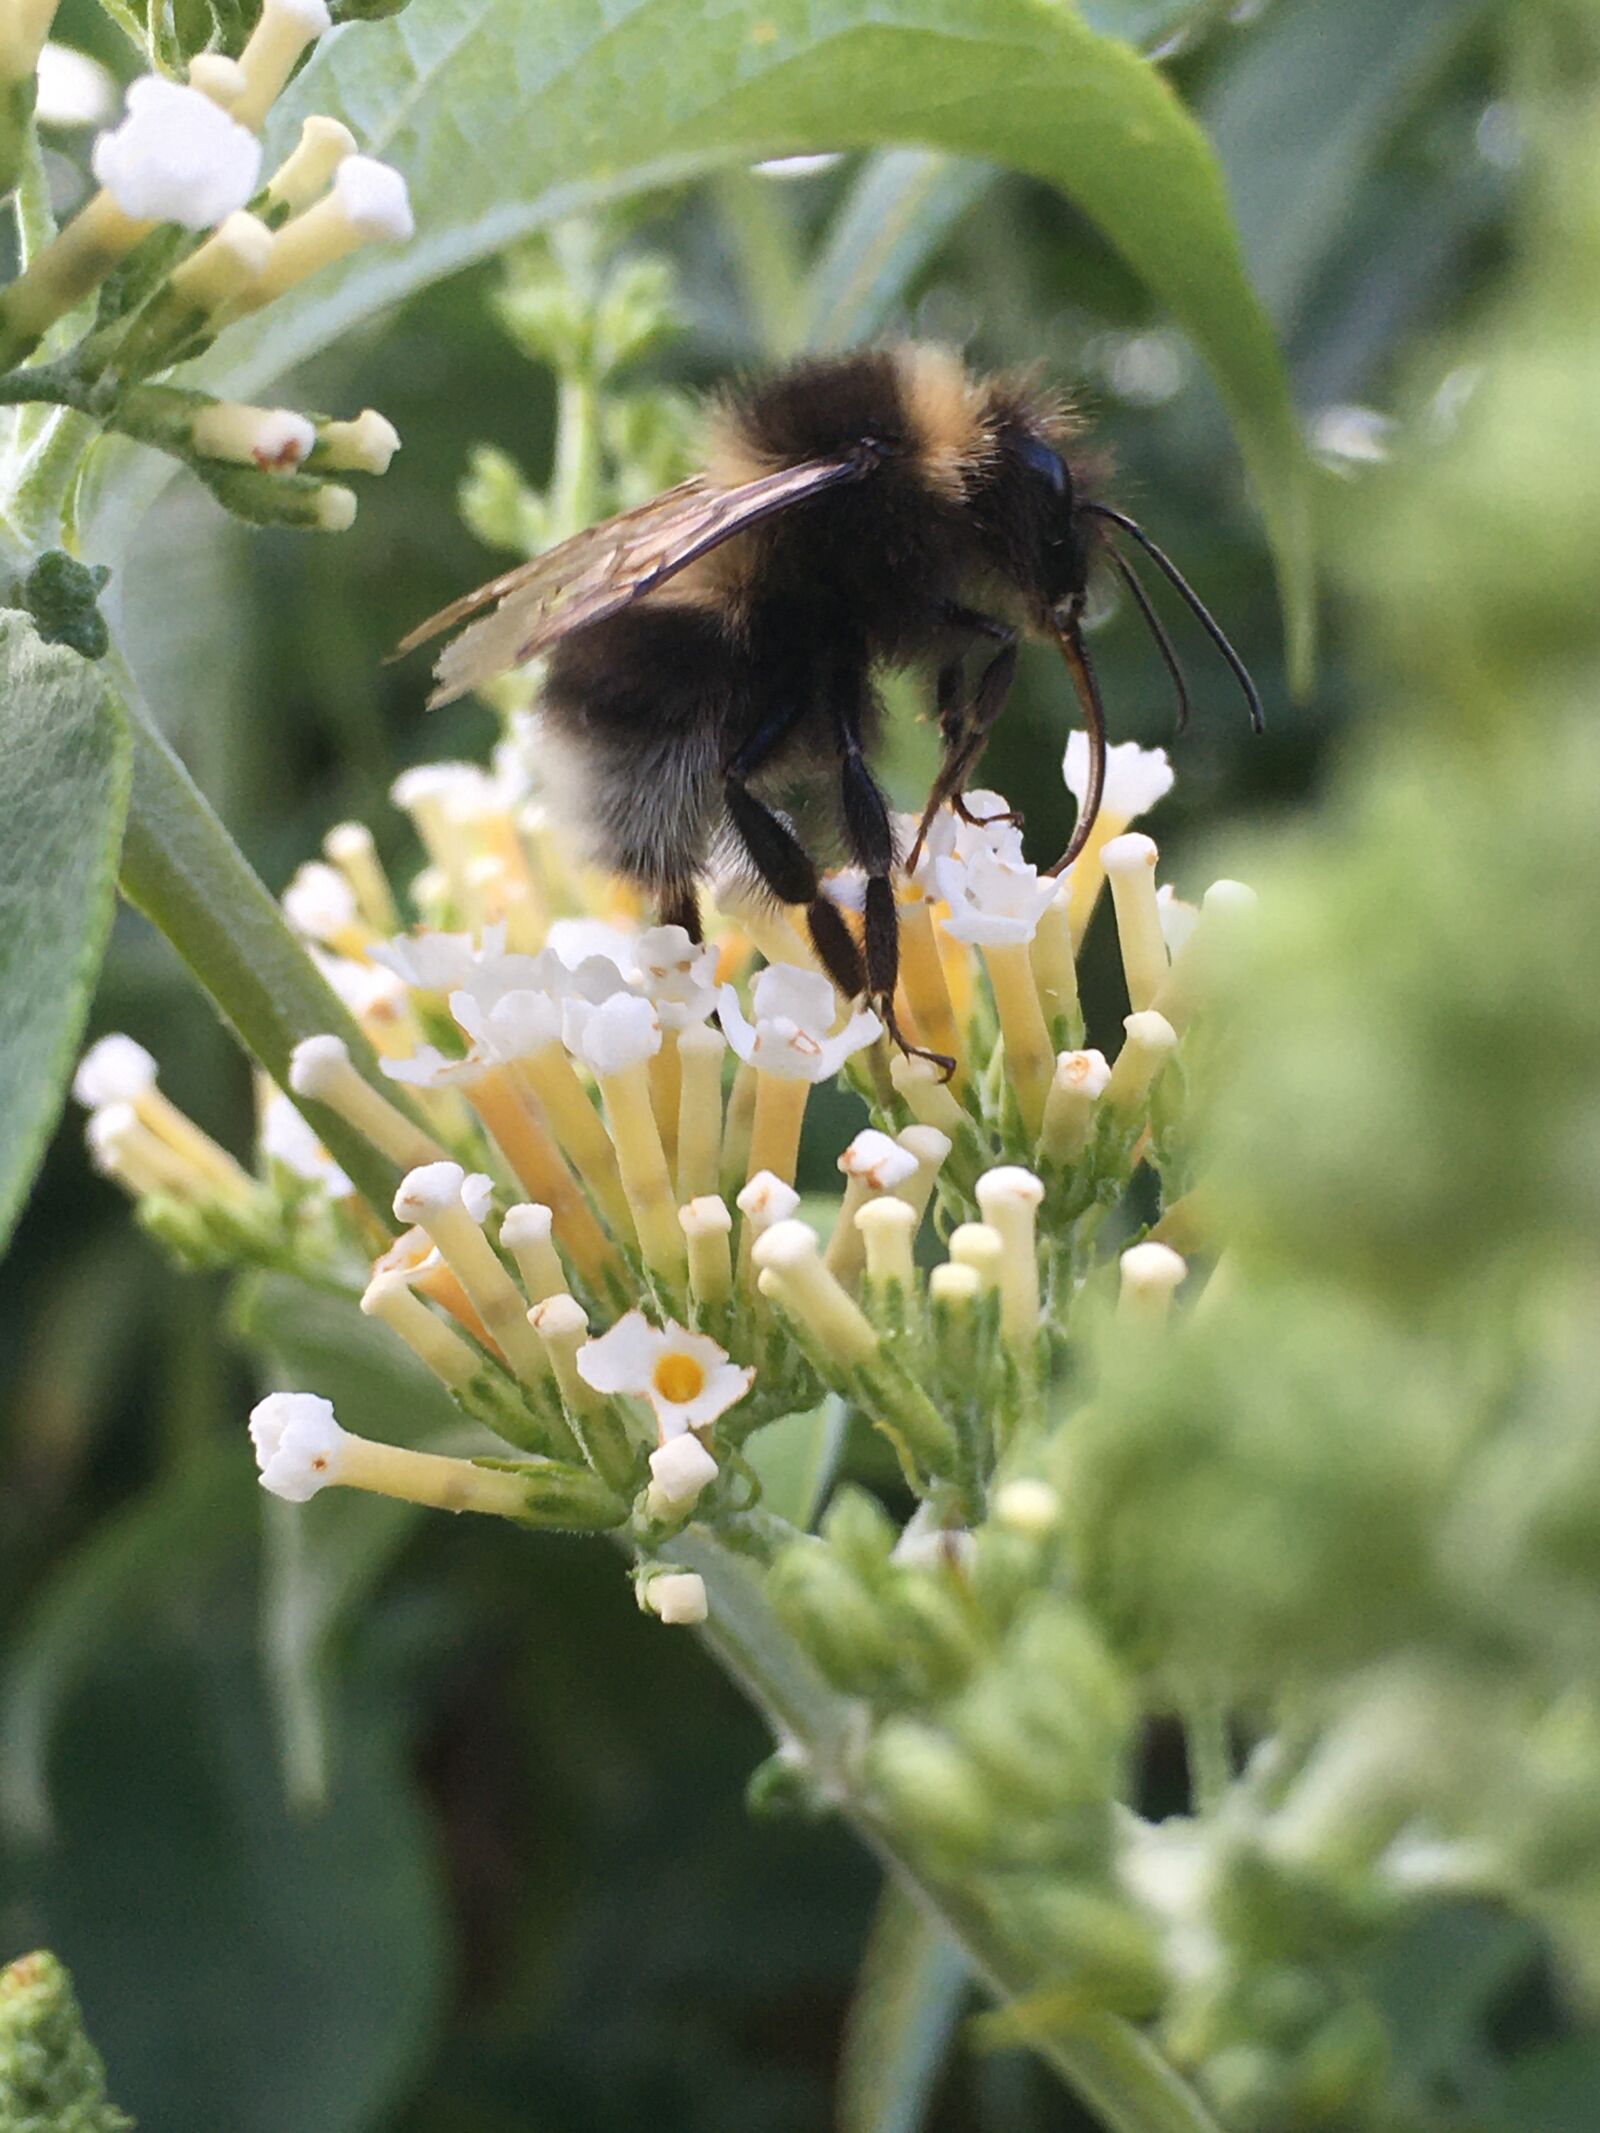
[710,655]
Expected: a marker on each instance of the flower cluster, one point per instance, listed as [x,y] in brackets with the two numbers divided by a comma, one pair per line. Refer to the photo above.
[595,1126]
[184,234]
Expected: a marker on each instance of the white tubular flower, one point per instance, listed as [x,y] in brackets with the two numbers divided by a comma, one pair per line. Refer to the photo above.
[282,32]
[995,900]
[685,1376]
[304,173]
[794,1011]
[115,1071]
[990,830]
[620,1033]
[577,942]
[1078,1084]
[217,76]
[1009,1199]
[273,439]
[680,1470]
[319,903]
[1136,778]
[299,1445]
[678,1596]
[518,1024]
[1130,864]
[767,1200]
[940,843]
[437,962]
[225,265]
[880,1163]
[176,157]
[285,1138]
[366,204]
[426,1067]
[679,976]
[871,1164]
[73,90]
[364,446]
[321,1068]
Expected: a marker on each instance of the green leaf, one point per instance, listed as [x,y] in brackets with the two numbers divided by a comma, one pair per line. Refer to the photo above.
[241,1967]
[1304,110]
[64,744]
[504,117]
[326,1558]
[907,2002]
[901,206]
[161,1542]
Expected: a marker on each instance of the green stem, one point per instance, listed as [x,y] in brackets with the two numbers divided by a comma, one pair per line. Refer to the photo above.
[1205,1731]
[1107,2061]
[185,873]
[575,482]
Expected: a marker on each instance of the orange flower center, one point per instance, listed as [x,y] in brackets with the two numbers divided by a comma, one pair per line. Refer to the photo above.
[679,1378]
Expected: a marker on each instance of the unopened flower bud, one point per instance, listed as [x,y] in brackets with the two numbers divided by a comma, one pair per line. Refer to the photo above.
[274,439]
[1150,1274]
[364,446]
[679,1470]
[677,1596]
[1130,864]
[283,30]
[304,174]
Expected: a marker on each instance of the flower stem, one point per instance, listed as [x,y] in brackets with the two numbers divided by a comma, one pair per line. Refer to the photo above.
[185,873]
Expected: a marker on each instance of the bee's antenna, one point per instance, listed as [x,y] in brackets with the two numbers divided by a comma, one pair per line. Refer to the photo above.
[1076,654]
[1197,607]
[1153,623]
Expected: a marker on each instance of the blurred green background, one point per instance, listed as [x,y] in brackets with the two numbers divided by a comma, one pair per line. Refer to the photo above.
[534,1898]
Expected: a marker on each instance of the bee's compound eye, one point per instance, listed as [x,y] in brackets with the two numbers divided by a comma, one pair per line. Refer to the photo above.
[1041,459]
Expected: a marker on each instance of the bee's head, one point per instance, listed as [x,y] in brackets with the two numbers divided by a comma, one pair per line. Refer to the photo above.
[1035,512]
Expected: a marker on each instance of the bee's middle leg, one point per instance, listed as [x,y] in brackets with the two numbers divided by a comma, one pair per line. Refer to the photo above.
[871,840]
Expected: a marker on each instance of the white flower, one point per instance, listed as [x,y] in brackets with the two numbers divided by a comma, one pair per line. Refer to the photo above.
[677,1596]
[679,1470]
[991,828]
[372,198]
[366,989]
[678,975]
[114,1071]
[619,1033]
[73,90]
[318,902]
[994,901]
[517,1025]
[686,1377]
[429,1068]
[794,1011]
[1136,778]
[299,1445]
[439,962]
[940,843]
[879,1162]
[176,157]
[578,941]
[286,1138]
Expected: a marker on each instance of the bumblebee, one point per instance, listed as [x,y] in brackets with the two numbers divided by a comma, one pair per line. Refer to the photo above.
[710,656]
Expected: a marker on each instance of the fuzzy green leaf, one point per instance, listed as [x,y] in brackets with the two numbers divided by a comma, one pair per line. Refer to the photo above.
[504,117]
[65,747]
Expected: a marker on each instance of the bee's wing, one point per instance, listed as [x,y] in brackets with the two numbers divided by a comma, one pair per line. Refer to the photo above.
[609,566]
